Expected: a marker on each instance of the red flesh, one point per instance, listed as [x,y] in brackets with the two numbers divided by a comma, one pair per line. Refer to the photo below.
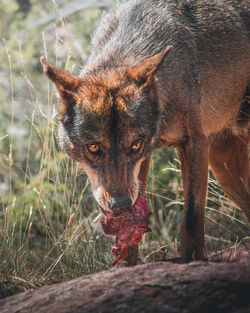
[128,228]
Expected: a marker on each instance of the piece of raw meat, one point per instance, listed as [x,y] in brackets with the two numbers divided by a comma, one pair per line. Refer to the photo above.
[128,227]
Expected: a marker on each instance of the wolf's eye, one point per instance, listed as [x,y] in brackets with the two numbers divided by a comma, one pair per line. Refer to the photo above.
[136,146]
[93,148]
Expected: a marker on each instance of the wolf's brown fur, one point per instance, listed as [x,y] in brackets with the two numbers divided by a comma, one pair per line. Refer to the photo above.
[163,73]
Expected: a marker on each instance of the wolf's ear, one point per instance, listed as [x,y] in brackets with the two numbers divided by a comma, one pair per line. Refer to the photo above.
[66,85]
[144,72]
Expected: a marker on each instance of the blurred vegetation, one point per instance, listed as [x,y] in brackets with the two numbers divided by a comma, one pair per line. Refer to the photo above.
[49,222]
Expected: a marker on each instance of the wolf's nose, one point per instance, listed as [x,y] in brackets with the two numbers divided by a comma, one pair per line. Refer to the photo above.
[120,202]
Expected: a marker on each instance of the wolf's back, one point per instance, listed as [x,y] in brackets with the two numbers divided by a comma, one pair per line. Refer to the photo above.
[142,28]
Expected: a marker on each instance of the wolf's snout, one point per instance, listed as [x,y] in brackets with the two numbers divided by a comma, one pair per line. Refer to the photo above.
[120,202]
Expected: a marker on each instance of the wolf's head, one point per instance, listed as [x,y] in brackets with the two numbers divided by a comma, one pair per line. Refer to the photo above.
[109,124]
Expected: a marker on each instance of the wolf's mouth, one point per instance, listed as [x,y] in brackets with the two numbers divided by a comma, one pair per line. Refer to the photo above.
[117,212]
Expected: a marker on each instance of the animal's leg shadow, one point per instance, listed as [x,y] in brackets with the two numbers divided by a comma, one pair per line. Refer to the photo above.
[194,167]
[132,257]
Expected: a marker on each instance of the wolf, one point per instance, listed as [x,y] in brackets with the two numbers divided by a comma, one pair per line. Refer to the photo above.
[162,73]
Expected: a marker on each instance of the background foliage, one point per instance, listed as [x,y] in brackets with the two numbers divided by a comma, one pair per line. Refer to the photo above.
[49,222]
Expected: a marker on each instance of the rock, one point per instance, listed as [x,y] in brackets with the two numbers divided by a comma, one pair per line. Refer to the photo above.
[153,287]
